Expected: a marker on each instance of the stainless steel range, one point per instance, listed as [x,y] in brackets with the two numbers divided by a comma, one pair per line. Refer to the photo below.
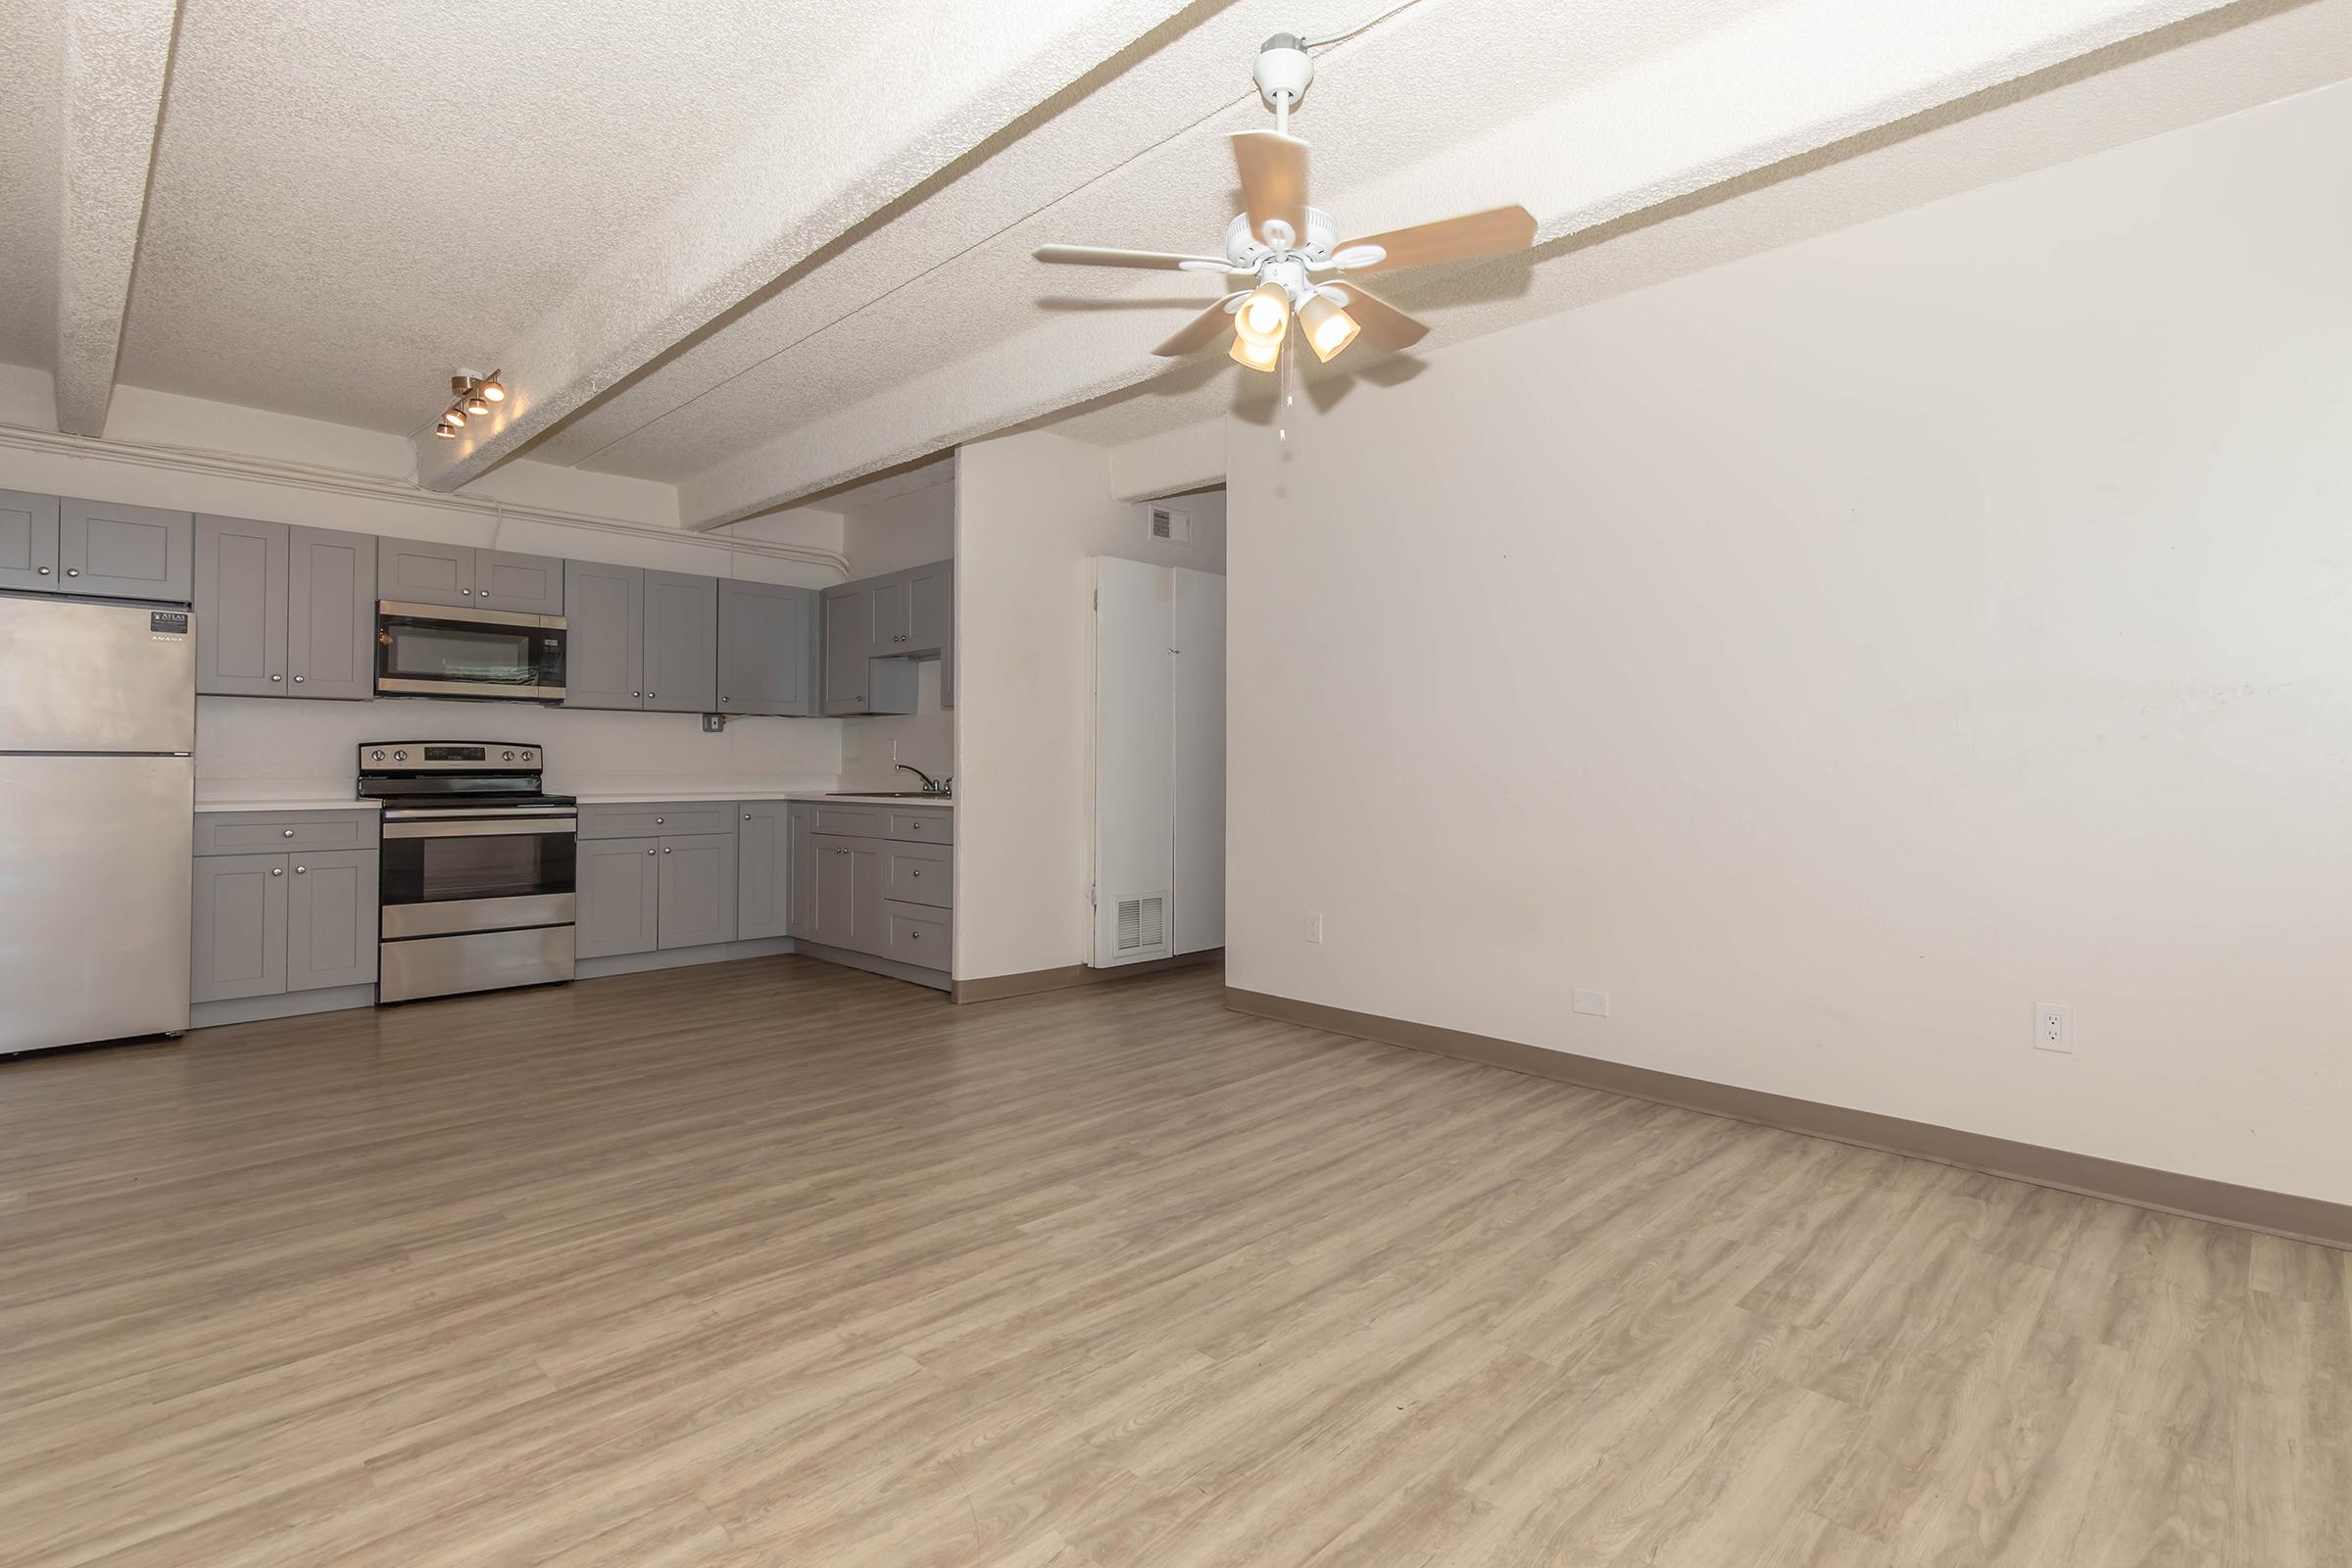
[477,868]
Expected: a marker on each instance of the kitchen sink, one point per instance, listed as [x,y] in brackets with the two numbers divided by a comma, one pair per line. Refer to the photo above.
[894,794]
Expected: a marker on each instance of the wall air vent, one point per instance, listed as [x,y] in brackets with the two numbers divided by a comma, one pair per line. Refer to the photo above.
[1143,923]
[1171,525]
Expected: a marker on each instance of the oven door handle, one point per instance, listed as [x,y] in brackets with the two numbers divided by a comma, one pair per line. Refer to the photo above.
[479,828]
[422,813]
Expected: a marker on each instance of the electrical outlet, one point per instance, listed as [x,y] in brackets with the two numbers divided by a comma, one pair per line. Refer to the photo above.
[714,723]
[1314,925]
[2053,1027]
[1592,1004]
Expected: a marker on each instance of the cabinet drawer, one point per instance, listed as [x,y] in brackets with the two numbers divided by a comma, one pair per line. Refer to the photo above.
[916,935]
[921,828]
[251,832]
[857,821]
[654,818]
[919,873]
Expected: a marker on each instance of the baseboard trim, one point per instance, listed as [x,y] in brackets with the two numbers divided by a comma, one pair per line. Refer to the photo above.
[679,958]
[1000,987]
[890,968]
[2254,1209]
[284,1004]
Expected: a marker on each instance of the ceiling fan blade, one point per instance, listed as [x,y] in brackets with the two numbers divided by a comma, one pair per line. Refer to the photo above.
[1273,168]
[1202,330]
[1381,324]
[1449,239]
[1102,255]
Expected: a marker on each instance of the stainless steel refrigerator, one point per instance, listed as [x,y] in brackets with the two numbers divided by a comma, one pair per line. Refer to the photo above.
[97,802]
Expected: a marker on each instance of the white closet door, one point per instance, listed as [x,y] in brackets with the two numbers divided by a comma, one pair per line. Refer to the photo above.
[1134,771]
[1198,760]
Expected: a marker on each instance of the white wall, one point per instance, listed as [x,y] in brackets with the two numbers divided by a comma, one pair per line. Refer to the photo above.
[1832,655]
[913,529]
[259,748]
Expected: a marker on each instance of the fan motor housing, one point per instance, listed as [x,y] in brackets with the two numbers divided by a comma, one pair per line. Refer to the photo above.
[1284,68]
[1246,250]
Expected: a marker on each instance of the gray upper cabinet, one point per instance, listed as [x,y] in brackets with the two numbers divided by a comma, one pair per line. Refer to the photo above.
[416,573]
[890,617]
[878,628]
[847,609]
[332,916]
[330,615]
[605,653]
[764,871]
[932,592]
[283,611]
[239,931]
[698,888]
[767,649]
[618,904]
[241,571]
[518,584]
[681,643]
[29,542]
[124,552]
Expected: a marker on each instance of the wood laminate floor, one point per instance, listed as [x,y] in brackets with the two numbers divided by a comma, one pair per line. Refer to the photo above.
[778,1263]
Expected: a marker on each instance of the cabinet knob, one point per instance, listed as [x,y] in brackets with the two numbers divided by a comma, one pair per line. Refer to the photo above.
[72,572]
[277,677]
[746,817]
[298,680]
[300,869]
[658,821]
[289,832]
[44,571]
[467,592]
[665,849]
[648,851]
[277,871]
[652,694]
[636,694]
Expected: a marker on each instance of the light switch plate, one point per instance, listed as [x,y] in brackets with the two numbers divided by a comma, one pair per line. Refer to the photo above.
[1592,1004]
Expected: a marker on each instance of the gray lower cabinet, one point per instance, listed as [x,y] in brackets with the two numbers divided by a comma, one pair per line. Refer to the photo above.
[29,542]
[619,903]
[605,617]
[801,919]
[767,648]
[283,611]
[330,920]
[681,643]
[290,919]
[849,893]
[764,871]
[115,551]
[239,932]
[697,890]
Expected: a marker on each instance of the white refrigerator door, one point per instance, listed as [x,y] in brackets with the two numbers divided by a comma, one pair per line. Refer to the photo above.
[95,890]
[82,677]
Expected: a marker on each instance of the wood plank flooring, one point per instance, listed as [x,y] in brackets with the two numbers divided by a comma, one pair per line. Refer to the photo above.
[778,1263]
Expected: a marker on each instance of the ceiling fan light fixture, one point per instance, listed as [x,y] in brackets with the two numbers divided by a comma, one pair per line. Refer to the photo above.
[1258,354]
[1264,315]
[1329,329]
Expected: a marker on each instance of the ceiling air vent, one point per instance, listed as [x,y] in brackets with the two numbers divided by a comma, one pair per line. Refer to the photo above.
[1143,923]
[1170,526]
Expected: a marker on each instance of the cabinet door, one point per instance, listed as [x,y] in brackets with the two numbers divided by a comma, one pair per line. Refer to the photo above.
[890,629]
[681,643]
[413,572]
[767,648]
[330,615]
[803,917]
[29,542]
[849,615]
[242,606]
[620,896]
[330,920]
[849,893]
[519,584]
[933,592]
[698,888]
[603,658]
[238,938]
[122,552]
[764,871]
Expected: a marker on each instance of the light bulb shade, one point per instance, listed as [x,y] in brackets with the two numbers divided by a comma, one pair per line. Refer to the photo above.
[1329,329]
[492,391]
[1264,315]
[447,432]
[476,406]
[1260,354]
[454,418]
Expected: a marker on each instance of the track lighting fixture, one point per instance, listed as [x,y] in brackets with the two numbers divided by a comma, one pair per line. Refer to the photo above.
[470,398]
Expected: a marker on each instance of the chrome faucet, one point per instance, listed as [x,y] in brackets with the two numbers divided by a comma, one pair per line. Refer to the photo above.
[931,786]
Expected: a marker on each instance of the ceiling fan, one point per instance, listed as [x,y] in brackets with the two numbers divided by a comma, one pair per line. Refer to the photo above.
[1292,250]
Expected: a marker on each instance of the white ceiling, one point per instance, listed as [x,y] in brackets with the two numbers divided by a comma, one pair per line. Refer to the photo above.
[760,248]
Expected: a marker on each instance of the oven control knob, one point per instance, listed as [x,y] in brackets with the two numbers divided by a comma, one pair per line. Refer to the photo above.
[506,757]
[400,757]
[377,755]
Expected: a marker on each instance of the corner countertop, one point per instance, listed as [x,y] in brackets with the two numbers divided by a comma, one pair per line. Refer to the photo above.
[936,802]
[343,804]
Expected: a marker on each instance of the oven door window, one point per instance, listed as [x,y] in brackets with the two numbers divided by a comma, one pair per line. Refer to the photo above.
[501,865]
[460,653]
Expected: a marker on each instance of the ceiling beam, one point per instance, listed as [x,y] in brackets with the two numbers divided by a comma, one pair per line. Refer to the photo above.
[944,83]
[1780,83]
[117,55]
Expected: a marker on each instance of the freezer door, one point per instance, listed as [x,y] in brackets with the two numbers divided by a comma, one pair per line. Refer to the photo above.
[79,677]
[94,897]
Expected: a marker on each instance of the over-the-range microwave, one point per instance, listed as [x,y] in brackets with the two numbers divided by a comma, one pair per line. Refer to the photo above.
[436,651]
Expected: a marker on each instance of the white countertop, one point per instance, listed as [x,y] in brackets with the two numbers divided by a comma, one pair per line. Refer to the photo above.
[345,804]
[651,797]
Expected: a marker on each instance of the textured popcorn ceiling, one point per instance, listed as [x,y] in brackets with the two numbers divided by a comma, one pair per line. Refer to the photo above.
[764,248]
